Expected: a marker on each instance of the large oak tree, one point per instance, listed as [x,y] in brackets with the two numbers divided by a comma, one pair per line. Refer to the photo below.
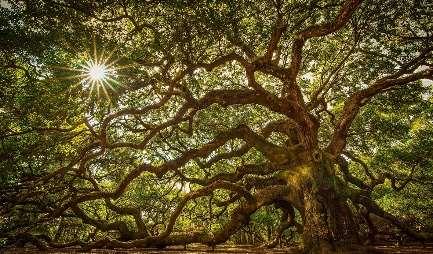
[212,110]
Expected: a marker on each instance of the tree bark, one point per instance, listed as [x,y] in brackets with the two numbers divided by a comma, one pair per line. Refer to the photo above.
[328,223]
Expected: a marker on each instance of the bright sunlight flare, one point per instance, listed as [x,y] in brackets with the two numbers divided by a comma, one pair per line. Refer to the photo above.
[98,75]
[97,72]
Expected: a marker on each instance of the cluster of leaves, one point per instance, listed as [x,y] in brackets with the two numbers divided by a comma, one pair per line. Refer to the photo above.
[48,118]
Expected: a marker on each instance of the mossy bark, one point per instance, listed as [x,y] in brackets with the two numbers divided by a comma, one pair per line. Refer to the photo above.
[328,222]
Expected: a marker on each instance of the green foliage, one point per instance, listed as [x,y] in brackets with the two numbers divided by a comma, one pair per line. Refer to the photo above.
[49,118]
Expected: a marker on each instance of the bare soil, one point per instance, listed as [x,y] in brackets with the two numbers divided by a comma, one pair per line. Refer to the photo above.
[385,249]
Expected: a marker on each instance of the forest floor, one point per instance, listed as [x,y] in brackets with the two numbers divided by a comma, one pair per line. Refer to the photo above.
[385,249]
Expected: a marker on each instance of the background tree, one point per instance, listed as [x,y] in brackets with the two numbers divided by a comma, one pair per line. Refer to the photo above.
[207,118]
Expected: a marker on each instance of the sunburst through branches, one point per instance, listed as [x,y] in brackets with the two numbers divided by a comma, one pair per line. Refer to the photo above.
[98,74]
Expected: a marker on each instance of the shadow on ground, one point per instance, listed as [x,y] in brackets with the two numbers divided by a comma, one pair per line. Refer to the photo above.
[227,249]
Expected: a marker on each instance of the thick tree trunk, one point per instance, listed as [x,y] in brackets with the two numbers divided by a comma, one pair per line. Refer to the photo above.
[328,220]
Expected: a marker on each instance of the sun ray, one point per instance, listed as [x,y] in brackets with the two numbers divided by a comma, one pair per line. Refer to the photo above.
[73,77]
[110,86]
[108,80]
[104,89]
[98,87]
[95,55]
[101,57]
[98,75]
[63,68]
[123,67]
[92,88]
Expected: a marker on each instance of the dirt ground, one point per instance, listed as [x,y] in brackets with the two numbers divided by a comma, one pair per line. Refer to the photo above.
[228,249]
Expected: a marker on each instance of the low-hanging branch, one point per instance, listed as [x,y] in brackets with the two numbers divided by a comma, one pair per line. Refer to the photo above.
[210,126]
